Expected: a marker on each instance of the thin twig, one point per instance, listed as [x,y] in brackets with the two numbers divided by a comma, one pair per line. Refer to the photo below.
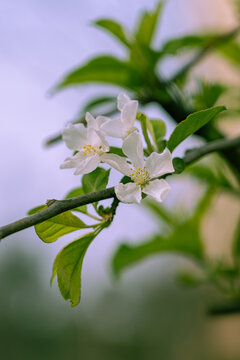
[56,207]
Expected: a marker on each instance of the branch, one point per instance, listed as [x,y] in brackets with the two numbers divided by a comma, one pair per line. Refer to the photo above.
[218,145]
[56,207]
[215,42]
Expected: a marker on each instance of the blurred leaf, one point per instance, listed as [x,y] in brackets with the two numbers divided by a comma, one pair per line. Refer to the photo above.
[77,192]
[97,102]
[237,241]
[178,165]
[148,24]
[106,69]
[96,180]
[230,50]
[68,265]
[192,124]
[52,229]
[207,94]
[184,240]
[189,279]
[214,175]
[114,28]
[185,43]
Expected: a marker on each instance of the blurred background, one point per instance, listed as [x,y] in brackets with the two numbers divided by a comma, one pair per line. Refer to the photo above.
[145,314]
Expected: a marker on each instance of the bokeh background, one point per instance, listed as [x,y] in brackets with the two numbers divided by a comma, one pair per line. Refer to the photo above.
[144,315]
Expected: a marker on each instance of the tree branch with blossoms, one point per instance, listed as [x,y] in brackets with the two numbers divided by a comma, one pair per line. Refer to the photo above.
[143,176]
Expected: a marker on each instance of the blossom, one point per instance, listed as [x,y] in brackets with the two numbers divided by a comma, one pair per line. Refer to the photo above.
[124,126]
[90,145]
[144,173]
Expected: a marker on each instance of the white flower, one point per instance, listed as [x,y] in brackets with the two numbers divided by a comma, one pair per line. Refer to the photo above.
[90,145]
[142,172]
[125,125]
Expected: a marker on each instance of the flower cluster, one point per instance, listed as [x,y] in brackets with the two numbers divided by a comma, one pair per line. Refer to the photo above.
[91,148]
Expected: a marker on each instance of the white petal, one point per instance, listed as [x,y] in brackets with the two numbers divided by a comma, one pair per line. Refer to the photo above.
[104,144]
[113,128]
[75,136]
[128,193]
[129,113]
[133,148]
[91,121]
[159,164]
[101,120]
[157,189]
[83,164]
[117,162]
[87,164]
[122,99]
[69,163]
[96,139]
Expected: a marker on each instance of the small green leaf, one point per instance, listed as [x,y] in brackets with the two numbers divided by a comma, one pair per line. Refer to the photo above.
[114,28]
[77,192]
[117,151]
[157,131]
[37,209]
[148,24]
[52,229]
[68,267]
[192,124]
[96,180]
[178,165]
[103,69]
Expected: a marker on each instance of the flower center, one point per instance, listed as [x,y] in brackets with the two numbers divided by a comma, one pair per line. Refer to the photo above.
[90,150]
[140,176]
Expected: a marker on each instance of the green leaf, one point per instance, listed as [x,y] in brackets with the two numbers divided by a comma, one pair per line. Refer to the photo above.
[68,267]
[230,50]
[96,180]
[207,94]
[37,209]
[237,241]
[148,24]
[157,131]
[178,165]
[192,124]
[117,151]
[114,28]
[184,240]
[77,192]
[190,279]
[52,229]
[103,69]
[185,43]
